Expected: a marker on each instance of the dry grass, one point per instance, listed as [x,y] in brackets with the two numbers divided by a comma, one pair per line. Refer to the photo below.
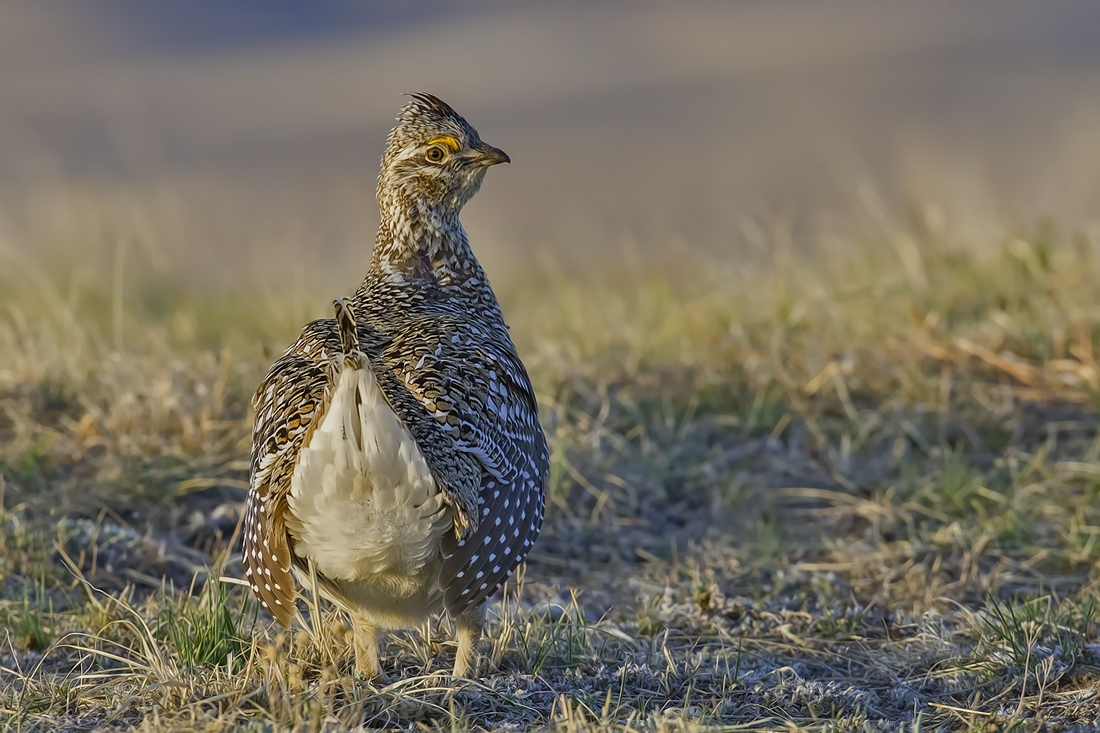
[847,487]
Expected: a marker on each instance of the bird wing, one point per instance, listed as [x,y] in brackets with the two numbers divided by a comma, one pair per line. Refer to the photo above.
[482,438]
[508,441]
[288,403]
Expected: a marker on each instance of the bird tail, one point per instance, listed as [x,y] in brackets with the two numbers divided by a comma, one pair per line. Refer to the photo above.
[349,331]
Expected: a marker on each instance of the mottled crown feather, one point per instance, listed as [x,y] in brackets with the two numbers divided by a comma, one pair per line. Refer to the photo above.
[425,106]
[424,117]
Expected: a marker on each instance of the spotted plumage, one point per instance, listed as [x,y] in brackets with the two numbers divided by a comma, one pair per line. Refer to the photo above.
[397,455]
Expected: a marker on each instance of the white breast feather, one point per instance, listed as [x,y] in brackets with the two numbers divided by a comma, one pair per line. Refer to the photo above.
[363,501]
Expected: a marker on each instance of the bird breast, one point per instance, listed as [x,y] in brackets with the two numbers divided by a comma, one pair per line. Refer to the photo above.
[363,503]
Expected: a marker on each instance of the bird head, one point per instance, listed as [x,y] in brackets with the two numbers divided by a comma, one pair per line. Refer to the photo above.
[434,157]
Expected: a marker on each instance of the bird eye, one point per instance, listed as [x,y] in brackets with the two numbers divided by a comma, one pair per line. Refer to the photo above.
[435,154]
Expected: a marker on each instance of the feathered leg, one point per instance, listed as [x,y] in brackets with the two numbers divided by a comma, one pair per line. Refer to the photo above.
[367,660]
[468,633]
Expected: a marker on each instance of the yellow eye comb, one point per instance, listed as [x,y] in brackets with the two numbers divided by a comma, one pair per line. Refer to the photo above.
[447,140]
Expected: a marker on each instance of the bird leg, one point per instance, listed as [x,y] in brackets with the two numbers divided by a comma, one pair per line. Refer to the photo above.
[367,661]
[468,633]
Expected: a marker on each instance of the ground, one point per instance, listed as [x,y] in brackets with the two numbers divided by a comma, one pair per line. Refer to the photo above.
[849,487]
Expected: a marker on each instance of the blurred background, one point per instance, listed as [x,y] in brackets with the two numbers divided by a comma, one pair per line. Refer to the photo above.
[235,144]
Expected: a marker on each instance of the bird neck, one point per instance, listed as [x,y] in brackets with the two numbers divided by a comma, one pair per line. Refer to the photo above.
[422,246]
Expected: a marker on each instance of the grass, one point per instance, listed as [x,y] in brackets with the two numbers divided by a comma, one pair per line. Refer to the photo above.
[848,486]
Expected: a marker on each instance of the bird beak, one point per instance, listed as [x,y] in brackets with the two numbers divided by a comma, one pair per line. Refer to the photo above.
[487,155]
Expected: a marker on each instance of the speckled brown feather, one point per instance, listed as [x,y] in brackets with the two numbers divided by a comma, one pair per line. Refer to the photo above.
[288,403]
[431,329]
[482,435]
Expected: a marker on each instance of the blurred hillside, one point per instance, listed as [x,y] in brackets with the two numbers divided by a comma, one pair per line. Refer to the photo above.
[230,145]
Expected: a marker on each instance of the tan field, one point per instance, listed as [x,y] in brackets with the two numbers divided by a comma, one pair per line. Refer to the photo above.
[807,292]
